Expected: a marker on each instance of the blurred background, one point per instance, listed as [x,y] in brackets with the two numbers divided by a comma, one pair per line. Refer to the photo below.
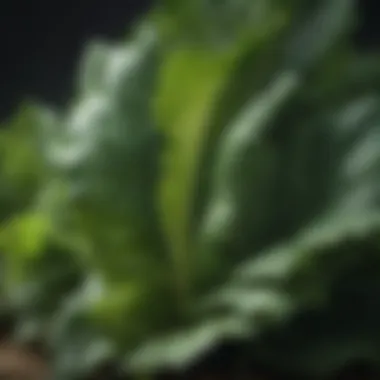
[42,40]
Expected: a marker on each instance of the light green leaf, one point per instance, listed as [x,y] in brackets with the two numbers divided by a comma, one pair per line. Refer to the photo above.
[26,235]
[190,80]
[181,350]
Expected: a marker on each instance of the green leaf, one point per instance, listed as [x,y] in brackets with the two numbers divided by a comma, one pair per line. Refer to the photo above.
[106,154]
[26,235]
[201,77]
[198,76]
[180,350]
[306,270]
[21,164]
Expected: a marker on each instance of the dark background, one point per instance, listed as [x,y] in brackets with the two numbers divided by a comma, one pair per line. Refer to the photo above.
[41,41]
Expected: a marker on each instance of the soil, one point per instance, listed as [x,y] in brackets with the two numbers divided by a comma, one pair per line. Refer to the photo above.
[18,363]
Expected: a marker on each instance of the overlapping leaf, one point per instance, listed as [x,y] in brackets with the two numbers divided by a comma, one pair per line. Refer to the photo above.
[307,150]
[202,189]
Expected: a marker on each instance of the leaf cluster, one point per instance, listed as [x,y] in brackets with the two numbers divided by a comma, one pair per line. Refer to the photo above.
[215,178]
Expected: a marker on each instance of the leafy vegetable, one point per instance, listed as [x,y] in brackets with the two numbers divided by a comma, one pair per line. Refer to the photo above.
[216,178]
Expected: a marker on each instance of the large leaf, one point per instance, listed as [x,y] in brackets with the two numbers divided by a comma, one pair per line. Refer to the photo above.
[184,120]
[200,75]
[329,221]
[249,142]
[106,152]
